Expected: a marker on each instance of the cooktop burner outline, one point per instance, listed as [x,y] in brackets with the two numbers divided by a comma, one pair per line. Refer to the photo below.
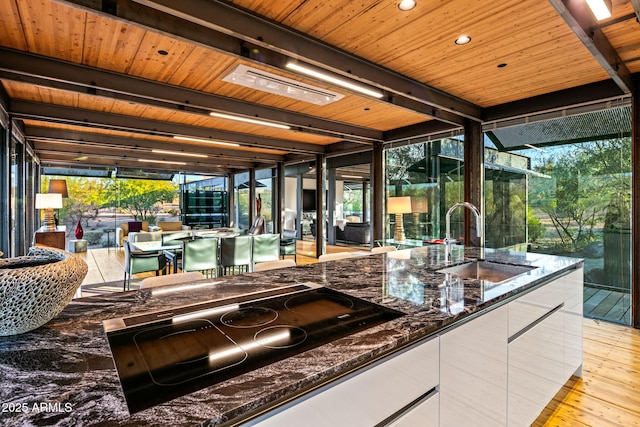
[200,346]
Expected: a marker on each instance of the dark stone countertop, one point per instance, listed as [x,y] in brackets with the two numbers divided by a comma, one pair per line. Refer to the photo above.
[67,367]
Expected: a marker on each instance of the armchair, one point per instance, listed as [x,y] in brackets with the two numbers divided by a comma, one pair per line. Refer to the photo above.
[124,229]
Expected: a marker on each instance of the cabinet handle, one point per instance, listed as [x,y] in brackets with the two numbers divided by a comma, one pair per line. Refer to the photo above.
[393,417]
[532,324]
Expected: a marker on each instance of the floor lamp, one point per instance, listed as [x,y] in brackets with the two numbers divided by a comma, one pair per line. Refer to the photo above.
[399,206]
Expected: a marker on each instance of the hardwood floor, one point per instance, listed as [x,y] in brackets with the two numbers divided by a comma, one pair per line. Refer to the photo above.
[609,392]
[607,395]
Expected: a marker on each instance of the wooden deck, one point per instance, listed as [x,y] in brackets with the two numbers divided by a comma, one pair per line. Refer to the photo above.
[607,305]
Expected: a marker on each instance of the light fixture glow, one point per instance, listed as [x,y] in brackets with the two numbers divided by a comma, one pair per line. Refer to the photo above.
[278,85]
[204,313]
[353,176]
[601,8]
[535,148]
[405,5]
[166,162]
[247,120]
[182,288]
[206,141]
[462,40]
[178,153]
[334,80]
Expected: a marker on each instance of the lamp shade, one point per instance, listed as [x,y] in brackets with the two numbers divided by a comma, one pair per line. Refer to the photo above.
[398,205]
[59,186]
[48,201]
[419,205]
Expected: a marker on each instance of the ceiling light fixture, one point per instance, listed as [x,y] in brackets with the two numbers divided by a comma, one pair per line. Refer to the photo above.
[178,153]
[166,162]
[353,176]
[405,5]
[247,120]
[206,141]
[462,40]
[268,82]
[334,80]
[601,9]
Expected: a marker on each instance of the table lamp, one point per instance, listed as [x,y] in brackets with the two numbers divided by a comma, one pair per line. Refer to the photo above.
[399,206]
[48,202]
[58,186]
[418,206]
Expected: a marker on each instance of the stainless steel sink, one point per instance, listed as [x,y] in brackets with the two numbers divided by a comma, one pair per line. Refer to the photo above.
[486,270]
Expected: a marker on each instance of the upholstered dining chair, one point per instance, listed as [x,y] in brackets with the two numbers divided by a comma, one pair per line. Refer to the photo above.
[140,262]
[201,255]
[266,247]
[235,252]
[174,256]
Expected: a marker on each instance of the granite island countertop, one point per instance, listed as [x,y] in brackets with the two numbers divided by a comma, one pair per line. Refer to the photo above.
[63,373]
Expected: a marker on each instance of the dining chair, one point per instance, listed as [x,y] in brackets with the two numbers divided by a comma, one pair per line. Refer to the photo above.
[140,262]
[288,246]
[201,255]
[174,256]
[171,279]
[266,247]
[333,257]
[272,265]
[383,249]
[235,252]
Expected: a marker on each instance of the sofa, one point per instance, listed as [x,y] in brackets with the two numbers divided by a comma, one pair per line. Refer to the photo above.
[37,287]
[358,233]
[161,227]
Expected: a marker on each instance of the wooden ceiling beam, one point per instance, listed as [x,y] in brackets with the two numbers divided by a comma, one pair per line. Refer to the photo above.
[98,119]
[225,28]
[48,72]
[599,92]
[582,23]
[38,133]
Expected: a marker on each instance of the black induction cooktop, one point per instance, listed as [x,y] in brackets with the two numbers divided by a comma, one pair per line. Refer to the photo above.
[163,355]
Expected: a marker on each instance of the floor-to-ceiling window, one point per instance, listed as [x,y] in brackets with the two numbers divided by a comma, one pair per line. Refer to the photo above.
[265,183]
[577,201]
[241,199]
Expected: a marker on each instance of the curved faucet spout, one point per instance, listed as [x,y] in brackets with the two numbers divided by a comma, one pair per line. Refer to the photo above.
[447,238]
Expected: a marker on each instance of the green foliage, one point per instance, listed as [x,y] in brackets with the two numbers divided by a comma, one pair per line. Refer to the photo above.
[581,181]
[140,197]
[534,227]
[93,237]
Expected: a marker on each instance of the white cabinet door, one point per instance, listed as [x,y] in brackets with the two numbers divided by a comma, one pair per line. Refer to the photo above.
[473,372]
[425,414]
[367,397]
[573,323]
[536,369]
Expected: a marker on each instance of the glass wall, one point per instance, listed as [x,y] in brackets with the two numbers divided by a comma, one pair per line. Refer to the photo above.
[575,202]
[241,199]
[265,184]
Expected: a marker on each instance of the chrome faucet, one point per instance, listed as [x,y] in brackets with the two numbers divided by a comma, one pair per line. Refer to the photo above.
[449,242]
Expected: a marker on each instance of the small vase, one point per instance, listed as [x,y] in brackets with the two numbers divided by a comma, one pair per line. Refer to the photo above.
[79,231]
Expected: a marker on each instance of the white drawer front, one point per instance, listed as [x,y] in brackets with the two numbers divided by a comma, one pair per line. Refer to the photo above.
[530,307]
[366,398]
[423,415]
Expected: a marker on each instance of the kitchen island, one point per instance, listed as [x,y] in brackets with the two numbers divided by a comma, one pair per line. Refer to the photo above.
[64,373]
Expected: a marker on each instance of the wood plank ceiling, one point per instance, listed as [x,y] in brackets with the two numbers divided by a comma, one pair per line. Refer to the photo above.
[104,82]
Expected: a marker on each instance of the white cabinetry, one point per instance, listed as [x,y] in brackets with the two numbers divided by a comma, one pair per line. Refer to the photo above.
[545,345]
[473,372]
[371,395]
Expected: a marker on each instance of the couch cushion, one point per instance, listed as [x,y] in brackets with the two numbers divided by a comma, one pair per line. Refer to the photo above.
[170,225]
[134,226]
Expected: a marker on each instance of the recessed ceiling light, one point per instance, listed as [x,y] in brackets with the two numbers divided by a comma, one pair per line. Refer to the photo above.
[502,65]
[247,120]
[334,80]
[178,153]
[166,162]
[163,52]
[462,40]
[405,5]
[207,141]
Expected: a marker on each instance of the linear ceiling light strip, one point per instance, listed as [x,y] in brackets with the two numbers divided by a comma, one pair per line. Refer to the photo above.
[334,80]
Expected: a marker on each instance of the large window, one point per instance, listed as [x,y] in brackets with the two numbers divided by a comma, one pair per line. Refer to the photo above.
[577,201]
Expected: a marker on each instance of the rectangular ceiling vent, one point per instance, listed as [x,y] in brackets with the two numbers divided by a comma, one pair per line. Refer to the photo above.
[278,85]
